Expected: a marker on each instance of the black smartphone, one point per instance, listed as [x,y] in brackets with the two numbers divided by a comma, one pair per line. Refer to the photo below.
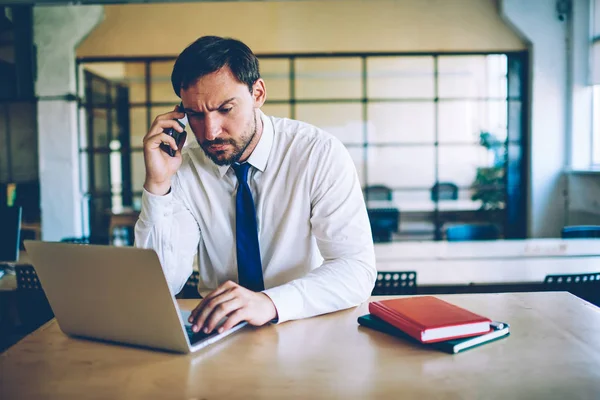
[175,135]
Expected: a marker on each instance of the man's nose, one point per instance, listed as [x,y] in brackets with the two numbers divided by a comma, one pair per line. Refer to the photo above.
[212,127]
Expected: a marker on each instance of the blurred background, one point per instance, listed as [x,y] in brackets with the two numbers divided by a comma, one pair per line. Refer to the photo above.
[476,112]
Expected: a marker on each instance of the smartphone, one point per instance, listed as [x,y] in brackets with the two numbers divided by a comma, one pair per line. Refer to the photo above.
[175,135]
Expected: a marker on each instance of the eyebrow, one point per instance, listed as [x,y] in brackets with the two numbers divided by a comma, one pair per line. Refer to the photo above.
[190,111]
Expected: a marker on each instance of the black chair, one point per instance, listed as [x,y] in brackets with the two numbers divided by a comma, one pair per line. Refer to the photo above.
[384,222]
[585,286]
[395,283]
[190,289]
[378,192]
[466,232]
[10,233]
[86,240]
[444,191]
[580,232]
[32,304]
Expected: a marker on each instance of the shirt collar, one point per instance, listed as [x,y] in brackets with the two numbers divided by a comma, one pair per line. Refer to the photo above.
[260,155]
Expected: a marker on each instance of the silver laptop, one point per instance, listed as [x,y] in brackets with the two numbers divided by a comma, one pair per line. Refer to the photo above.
[116,294]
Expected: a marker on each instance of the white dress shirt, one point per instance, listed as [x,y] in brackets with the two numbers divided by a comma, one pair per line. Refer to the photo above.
[314,234]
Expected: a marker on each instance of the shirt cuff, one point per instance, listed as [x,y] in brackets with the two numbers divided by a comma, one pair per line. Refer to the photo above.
[288,302]
[155,207]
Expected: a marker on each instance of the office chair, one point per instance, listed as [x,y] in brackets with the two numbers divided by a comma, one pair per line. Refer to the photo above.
[190,289]
[32,304]
[10,233]
[395,283]
[378,192]
[580,232]
[86,240]
[384,222]
[585,286]
[444,191]
[468,232]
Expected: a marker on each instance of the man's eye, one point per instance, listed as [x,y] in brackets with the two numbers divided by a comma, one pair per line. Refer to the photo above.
[225,110]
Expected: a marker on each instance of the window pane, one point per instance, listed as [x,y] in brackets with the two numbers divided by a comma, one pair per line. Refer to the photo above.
[458,164]
[400,167]
[161,90]
[138,125]
[357,154]
[463,121]
[276,74]
[338,78]
[100,127]
[135,73]
[277,110]
[138,170]
[400,77]
[472,76]
[596,124]
[101,172]
[401,122]
[341,120]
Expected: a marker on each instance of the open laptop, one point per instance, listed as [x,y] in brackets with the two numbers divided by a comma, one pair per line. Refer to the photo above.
[116,294]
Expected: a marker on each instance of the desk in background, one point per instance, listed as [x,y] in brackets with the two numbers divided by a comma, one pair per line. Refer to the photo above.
[552,353]
[437,213]
[499,262]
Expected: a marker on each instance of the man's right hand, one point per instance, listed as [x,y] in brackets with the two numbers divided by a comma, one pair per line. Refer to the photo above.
[160,166]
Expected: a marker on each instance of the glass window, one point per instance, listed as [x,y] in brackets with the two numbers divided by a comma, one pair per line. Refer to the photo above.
[328,78]
[341,120]
[400,77]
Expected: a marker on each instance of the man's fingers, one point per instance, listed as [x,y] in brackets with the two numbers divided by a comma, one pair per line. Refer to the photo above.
[221,311]
[209,307]
[222,288]
[159,126]
[234,318]
[175,114]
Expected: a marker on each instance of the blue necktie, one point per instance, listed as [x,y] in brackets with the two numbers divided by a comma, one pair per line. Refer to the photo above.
[248,251]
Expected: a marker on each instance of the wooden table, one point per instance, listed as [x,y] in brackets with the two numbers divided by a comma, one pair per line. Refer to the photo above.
[552,353]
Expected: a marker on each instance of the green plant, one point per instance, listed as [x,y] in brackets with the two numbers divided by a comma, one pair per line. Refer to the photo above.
[489,180]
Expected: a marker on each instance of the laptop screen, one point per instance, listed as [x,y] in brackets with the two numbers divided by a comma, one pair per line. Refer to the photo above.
[10,233]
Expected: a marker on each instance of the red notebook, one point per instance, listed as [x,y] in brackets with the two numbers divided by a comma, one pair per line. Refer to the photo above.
[429,319]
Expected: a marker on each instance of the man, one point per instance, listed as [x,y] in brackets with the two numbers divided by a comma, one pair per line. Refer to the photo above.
[270,203]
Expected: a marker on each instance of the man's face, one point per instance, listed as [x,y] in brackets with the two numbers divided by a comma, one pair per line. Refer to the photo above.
[222,114]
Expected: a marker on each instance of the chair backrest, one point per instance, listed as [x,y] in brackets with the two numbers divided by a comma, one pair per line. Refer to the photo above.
[10,233]
[580,232]
[395,282]
[384,222]
[585,286]
[190,289]
[465,232]
[27,278]
[378,192]
[444,191]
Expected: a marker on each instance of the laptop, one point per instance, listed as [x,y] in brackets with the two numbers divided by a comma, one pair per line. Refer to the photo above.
[115,294]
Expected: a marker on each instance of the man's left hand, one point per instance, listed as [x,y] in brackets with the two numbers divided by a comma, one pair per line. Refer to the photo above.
[234,302]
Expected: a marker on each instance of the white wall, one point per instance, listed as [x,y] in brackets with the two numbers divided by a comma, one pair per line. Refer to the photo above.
[539,25]
[57,30]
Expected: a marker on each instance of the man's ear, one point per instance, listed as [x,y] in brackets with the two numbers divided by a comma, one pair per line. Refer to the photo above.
[259,93]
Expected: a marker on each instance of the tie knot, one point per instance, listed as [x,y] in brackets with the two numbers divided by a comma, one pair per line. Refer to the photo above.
[241,171]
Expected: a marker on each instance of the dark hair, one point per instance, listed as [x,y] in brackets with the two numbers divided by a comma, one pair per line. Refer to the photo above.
[209,54]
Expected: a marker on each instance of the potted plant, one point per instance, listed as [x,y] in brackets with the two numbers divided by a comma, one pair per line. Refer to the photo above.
[489,179]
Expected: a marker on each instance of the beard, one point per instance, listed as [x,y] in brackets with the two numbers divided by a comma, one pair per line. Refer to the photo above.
[221,157]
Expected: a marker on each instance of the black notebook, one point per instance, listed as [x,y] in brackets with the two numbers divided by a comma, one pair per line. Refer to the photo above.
[500,330]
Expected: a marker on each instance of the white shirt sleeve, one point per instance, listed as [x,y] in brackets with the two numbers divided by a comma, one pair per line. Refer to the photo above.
[167,226]
[341,227]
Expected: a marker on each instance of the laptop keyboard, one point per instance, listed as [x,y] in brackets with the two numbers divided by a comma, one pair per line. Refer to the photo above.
[198,336]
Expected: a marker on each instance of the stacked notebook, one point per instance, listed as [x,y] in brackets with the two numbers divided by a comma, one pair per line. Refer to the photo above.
[428,319]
